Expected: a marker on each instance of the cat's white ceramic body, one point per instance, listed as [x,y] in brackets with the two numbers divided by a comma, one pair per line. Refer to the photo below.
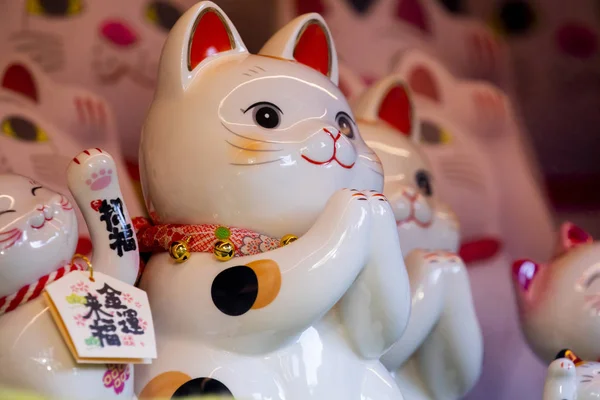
[38,236]
[110,47]
[562,293]
[443,333]
[241,126]
[569,381]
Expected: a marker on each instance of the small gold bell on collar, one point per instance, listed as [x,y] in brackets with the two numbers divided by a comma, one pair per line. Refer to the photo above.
[179,251]
[287,239]
[224,250]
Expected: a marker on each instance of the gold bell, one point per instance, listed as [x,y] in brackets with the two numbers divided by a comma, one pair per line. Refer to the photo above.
[287,239]
[224,250]
[179,251]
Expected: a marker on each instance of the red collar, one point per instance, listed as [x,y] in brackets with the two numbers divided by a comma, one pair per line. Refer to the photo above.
[200,238]
[481,249]
[33,290]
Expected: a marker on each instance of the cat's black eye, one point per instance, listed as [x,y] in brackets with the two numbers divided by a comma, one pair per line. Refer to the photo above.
[423,181]
[345,124]
[432,133]
[163,14]
[22,129]
[454,6]
[55,8]
[35,189]
[515,17]
[265,114]
[7,211]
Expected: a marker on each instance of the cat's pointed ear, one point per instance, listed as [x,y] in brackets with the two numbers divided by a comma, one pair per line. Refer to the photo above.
[18,76]
[424,74]
[350,84]
[524,273]
[203,35]
[389,100]
[571,236]
[307,40]
[569,355]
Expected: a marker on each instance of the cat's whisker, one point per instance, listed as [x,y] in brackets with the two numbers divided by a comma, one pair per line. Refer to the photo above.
[257,163]
[250,149]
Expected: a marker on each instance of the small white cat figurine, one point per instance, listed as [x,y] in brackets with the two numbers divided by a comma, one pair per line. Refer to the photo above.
[267,291]
[38,235]
[110,47]
[563,292]
[570,378]
[443,333]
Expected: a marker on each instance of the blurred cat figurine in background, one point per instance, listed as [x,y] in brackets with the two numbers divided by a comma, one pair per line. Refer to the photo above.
[570,378]
[443,333]
[563,292]
[110,47]
[372,35]
[38,236]
[555,54]
[85,117]
[325,305]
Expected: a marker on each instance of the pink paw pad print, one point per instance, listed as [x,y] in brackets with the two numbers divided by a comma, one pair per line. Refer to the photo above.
[100,180]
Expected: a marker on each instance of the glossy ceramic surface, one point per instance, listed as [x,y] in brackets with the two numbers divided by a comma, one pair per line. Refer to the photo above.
[562,293]
[263,142]
[39,234]
[85,119]
[114,52]
[443,333]
[565,381]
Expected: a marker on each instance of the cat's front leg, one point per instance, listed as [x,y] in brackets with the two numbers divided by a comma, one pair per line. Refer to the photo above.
[93,181]
[375,310]
[561,382]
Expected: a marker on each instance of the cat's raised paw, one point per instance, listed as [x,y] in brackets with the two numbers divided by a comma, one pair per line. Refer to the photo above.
[92,170]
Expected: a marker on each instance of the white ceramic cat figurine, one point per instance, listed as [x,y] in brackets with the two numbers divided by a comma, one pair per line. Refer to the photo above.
[563,292]
[226,130]
[110,47]
[85,117]
[443,333]
[570,378]
[38,235]
[372,35]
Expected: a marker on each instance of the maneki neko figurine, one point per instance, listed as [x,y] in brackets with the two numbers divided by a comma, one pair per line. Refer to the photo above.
[38,235]
[86,119]
[562,293]
[272,277]
[440,354]
[109,47]
[570,378]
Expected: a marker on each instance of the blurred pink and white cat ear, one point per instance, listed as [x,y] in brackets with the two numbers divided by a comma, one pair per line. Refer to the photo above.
[18,76]
[524,272]
[389,100]
[424,74]
[307,40]
[571,236]
[203,35]
[350,84]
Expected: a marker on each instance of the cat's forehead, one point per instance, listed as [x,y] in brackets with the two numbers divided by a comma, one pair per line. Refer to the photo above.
[14,187]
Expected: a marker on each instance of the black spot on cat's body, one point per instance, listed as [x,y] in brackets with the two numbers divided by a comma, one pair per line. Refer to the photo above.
[234,290]
[361,6]
[201,387]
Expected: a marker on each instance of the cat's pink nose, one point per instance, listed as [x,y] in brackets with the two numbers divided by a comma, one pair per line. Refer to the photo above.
[118,32]
[576,40]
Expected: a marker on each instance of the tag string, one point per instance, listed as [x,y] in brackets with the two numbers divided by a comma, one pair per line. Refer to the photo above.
[87,261]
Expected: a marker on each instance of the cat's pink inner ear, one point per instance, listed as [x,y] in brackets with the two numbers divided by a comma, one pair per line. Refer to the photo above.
[19,79]
[422,82]
[524,272]
[572,235]
[210,36]
[313,48]
[396,109]
[309,6]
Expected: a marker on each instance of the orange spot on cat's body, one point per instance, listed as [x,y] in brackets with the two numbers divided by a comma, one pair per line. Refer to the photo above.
[164,385]
[269,282]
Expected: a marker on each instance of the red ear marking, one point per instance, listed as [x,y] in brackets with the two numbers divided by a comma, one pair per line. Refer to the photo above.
[210,36]
[524,272]
[572,235]
[313,47]
[19,79]
[396,109]
[309,6]
[422,82]
[413,12]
